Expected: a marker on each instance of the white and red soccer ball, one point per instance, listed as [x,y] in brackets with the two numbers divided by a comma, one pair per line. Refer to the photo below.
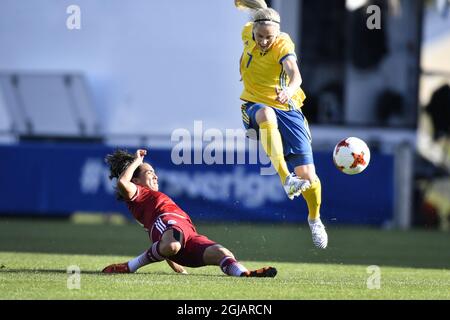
[351,155]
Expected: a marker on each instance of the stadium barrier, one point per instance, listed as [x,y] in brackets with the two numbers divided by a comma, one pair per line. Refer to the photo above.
[61,178]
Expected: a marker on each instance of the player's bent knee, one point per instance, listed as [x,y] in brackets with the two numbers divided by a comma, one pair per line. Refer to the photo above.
[307,172]
[170,248]
[266,114]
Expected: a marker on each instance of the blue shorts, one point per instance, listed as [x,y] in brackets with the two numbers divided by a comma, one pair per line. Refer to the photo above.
[293,128]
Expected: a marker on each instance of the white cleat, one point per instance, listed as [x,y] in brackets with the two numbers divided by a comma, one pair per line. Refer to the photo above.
[294,186]
[319,235]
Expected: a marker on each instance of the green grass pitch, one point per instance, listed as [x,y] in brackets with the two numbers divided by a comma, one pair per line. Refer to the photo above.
[35,255]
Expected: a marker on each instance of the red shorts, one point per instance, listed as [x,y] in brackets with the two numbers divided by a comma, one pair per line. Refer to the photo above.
[194,244]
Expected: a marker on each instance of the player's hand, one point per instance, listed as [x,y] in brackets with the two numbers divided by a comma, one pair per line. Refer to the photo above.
[283,95]
[140,154]
[176,267]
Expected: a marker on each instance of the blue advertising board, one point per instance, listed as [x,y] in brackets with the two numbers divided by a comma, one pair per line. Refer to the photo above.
[53,179]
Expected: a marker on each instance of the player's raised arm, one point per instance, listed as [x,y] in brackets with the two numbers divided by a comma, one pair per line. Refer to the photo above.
[126,188]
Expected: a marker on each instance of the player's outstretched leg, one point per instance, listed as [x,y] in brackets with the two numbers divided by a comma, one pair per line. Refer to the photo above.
[149,256]
[159,251]
[218,255]
[117,268]
[265,272]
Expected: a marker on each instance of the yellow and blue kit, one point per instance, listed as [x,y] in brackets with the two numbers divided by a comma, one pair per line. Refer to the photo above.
[262,74]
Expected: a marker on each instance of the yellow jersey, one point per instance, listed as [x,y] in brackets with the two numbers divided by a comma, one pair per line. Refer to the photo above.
[263,73]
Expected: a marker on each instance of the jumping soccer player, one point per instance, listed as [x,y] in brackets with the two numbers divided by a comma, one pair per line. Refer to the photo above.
[273,100]
[171,230]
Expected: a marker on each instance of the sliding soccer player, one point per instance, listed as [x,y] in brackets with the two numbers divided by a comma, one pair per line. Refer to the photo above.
[174,236]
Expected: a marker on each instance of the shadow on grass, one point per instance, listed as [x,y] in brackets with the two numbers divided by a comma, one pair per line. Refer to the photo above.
[250,242]
[92,272]
[57,271]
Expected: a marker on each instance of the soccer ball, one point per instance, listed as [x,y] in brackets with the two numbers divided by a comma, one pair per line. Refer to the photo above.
[351,155]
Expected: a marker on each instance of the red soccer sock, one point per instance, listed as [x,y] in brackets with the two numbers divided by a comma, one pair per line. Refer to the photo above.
[153,253]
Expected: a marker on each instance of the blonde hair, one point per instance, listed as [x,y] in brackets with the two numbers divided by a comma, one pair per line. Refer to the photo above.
[260,12]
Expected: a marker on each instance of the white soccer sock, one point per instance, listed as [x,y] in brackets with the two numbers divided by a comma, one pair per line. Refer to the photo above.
[232,269]
[138,262]
[313,221]
[236,269]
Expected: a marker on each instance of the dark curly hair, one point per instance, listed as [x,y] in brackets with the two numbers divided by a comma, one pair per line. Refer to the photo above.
[118,162]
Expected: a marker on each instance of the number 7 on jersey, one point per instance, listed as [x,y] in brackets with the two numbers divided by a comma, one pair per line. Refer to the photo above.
[250,57]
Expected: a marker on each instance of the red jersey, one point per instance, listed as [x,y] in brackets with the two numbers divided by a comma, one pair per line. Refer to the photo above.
[146,205]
